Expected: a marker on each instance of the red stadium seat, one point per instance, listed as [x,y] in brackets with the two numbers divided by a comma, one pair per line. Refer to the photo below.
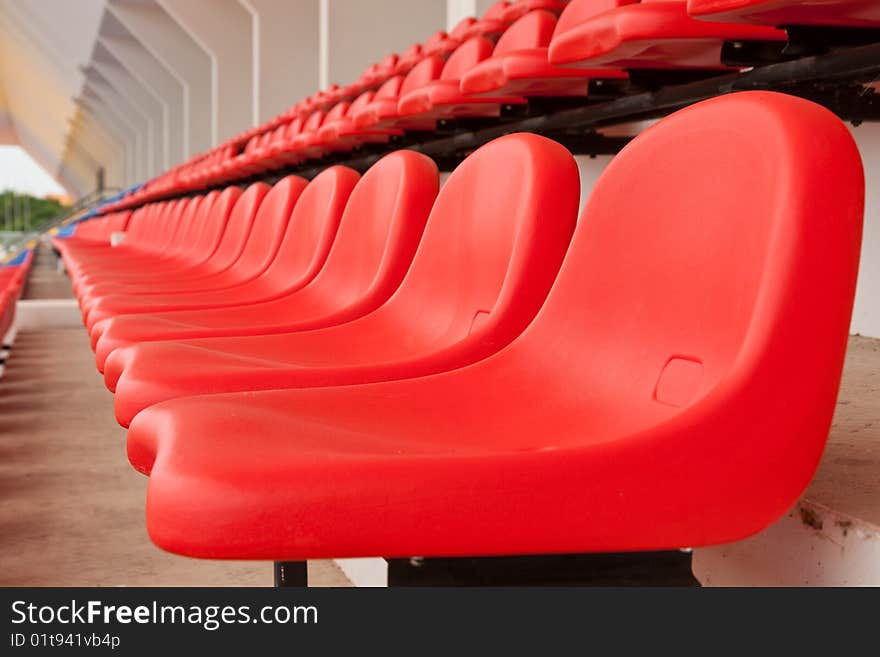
[12,280]
[839,13]
[674,390]
[274,207]
[442,98]
[150,230]
[409,58]
[383,114]
[307,142]
[226,221]
[516,10]
[374,246]
[302,245]
[519,67]
[483,269]
[92,233]
[341,133]
[652,34]
[210,253]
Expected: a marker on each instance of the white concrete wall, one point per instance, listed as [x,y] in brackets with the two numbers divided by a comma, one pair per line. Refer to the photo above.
[286,52]
[866,315]
[360,33]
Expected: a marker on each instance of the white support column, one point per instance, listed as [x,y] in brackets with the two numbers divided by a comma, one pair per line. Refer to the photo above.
[458,9]
[106,148]
[286,55]
[96,130]
[71,181]
[109,118]
[482,6]
[361,33]
[224,32]
[130,114]
[112,71]
[163,38]
[82,163]
[166,88]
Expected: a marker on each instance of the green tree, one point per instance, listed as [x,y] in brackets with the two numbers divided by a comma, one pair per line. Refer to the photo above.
[23,212]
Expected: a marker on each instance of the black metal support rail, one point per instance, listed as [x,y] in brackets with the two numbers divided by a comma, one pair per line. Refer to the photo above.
[840,80]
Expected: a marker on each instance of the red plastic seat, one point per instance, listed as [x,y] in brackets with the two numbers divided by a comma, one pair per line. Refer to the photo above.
[340,133]
[302,246]
[652,34]
[191,231]
[442,98]
[439,44]
[13,275]
[374,246]
[213,251]
[519,67]
[483,269]
[383,114]
[306,142]
[674,390]
[516,10]
[278,153]
[841,13]
[150,230]
[92,233]
[409,58]
[274,207]
[202,276]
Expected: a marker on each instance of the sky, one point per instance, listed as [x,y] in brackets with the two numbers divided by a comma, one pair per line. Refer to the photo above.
[20,173]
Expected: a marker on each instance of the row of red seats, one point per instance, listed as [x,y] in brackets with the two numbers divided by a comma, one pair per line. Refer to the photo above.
[407,372]
[515,53]
[12,279]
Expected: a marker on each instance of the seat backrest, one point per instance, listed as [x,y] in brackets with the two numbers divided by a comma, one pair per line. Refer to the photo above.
[294,128]
[385,67]
[187,227]
[390,89]
[853,13]
[465,57]
[118,222]
[277,135]
[436,44]
[216,217]
[578,11]
[492,246]
[409,58]
[534,30]
[139,222]
[716,256]
[338,111]
[165,225]
[379,231]
[269,226]
[463,28]
[520,8]
[94,229]
[315,120]
[360,103]
[238,227]
[312,228]
[187,246]
[427,70]
[251,145]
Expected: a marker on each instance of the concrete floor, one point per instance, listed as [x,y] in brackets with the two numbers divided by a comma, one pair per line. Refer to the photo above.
[71,507]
